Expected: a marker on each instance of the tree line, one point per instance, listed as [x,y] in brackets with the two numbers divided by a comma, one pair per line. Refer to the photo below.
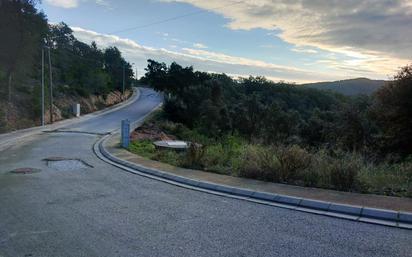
[77,68]
[264,112]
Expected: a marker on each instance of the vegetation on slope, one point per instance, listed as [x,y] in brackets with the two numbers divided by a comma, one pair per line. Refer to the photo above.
[79,70]
[350,87]
[285,133]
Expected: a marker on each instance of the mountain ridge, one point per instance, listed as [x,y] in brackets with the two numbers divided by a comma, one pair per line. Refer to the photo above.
[356,86]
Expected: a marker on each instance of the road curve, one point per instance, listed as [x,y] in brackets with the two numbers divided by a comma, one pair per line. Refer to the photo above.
[100,210]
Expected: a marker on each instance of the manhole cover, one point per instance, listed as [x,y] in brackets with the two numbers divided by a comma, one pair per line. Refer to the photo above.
[64,164]
[25,171]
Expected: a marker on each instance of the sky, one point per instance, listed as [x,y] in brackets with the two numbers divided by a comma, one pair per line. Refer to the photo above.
[290,40]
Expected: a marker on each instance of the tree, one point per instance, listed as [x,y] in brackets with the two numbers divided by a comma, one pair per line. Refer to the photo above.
[114,64]
[22,29]
[279,125]
[393,113]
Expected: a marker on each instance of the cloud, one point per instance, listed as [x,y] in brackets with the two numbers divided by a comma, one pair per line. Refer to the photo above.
[63,3]
[102,3]
[199,45]
[201,59]
[354,28]
[75,3]
[304,50]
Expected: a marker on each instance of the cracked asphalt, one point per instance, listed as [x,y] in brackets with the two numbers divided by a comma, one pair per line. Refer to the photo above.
[104,211]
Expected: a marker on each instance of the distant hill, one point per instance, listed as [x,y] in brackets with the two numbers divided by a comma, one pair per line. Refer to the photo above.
[358,86]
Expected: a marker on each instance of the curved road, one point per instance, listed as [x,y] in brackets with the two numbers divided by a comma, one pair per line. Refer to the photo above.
[103,211]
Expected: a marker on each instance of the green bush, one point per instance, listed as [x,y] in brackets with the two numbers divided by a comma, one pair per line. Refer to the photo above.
[293,161]
[194,157]
[344,170]
[225,156]
[386,179]
[319,167]
[168,156]
[259,163]
[143,148]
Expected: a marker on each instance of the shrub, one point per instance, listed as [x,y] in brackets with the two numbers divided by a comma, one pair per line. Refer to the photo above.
[168,156]
[293,160]
[344,170]
[144,148]
[259,163]
[386,179]
[194,157]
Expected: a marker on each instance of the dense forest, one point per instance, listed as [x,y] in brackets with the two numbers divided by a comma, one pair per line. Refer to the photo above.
[78,69]
[289,133]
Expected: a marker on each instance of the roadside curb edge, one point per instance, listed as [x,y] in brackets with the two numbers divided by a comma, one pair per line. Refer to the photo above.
[343,211]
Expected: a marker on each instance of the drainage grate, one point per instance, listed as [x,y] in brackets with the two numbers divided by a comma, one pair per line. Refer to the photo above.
[65,164]
[25,171]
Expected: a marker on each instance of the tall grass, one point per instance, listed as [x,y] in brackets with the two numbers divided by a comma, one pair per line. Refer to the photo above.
[290,164]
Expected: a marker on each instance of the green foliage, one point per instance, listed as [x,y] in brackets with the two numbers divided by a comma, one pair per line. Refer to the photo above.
[78,69]
[85,69]
[194,157]
[293,160]
[143,148]
[386,179]
[259,163]
[216,105]
[393,112]
[23,29]
[269,113]
[291,134]
[291,164]
[168,156]
[343,172]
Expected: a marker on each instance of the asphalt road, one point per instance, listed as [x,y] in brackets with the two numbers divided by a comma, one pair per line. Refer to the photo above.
[104,211]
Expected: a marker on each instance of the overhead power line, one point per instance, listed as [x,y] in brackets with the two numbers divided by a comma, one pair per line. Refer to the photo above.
[174,18]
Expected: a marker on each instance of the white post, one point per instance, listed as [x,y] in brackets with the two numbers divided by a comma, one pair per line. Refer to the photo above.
[76,110]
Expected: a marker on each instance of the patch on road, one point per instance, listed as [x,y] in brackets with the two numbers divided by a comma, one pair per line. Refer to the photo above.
[25,171]
[77,132]
[66,164]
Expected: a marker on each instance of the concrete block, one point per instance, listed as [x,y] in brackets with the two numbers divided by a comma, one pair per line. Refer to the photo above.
[206,185]
[168,176]
[379,214]
[242,192]
[405,217]
[345,209]
[192,182]
[379,221]
[181,180]
[287,199]
[405,225]
[224,189]
[264,196]
[342,215]
[313,204]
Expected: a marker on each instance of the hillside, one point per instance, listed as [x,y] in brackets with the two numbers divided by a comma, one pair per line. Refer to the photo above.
[80,73]
[358,86]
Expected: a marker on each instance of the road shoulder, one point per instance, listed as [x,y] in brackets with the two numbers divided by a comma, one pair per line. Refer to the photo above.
[383,210]
[11,138]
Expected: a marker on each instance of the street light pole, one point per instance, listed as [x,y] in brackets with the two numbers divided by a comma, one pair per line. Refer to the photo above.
[134,83]
[124,75]
[51,88]
[42,86]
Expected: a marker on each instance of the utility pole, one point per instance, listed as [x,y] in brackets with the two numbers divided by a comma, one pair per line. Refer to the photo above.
[51,88]
[42,86]
[124,71]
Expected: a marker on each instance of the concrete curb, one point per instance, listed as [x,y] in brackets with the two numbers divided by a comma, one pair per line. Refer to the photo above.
[349,212]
